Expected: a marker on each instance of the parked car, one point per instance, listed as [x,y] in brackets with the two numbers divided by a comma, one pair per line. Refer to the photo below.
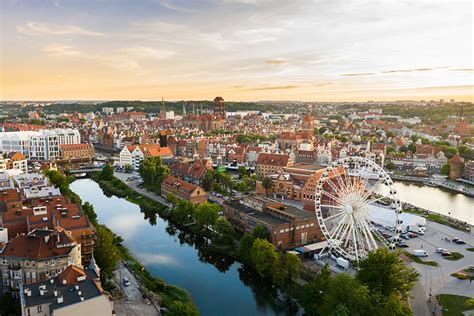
[471,267]
[126,282]
[446,254]
[402,244]
[412,235]
[455,239]
[440,250]
[460,242]
[404,236]
[420,253]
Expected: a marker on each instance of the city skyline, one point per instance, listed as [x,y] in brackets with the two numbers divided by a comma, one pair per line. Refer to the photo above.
[241,49]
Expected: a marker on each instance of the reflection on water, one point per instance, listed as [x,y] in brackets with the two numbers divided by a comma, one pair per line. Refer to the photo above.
[218,285]
[456,205]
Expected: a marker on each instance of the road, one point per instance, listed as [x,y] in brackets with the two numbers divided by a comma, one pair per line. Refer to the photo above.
[132,302]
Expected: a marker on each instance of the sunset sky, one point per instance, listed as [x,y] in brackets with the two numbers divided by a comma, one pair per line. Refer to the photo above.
[241,49]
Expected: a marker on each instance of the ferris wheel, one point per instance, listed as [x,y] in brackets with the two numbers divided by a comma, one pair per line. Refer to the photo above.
[347,197]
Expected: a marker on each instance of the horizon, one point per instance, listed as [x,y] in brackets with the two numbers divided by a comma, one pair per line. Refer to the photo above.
[244,50]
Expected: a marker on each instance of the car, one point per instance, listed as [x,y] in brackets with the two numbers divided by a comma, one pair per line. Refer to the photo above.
[471,267]
[402,244]
[455,239]
[446,254]
[126,282]
[412,235]
[440,250]
[460,242]
[404,236]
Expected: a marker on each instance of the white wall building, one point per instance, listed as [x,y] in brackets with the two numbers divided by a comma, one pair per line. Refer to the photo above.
[41,145]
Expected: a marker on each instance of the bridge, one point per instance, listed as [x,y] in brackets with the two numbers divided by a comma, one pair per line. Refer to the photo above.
[88,170]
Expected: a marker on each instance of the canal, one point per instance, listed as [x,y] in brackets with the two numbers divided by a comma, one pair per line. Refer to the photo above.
[218,285]
[438,200]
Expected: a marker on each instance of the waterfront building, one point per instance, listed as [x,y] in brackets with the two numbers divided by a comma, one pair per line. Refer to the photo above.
[183,190]
[456,165]
[287,226]
[76,151]
[268,164]
[469,171]
[133,155]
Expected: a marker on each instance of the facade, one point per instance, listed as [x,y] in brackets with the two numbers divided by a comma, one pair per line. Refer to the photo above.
[456,164]
[41,145]
[14,161]
[288,226]
[76,151]
[183,190]
[134,155]
[73,292]
[37,256]
[469,171]
[268,164]
[192,172]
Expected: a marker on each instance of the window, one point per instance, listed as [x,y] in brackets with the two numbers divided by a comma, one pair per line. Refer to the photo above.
[39,308]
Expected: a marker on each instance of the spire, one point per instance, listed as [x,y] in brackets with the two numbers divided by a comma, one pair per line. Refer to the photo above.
[163,109]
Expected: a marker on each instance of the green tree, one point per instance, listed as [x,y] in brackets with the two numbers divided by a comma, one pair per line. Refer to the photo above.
[105,251]
[259,231]
[171,199]
[385,273]
[242,187]
[288,268]
[313,293]
[8,305]
[264,257]
[246,243]
[224,231]
[266,184]
[209,180]
[184,212]
[412,147]
[390,165]
[88,210]
[242,171]
[182,309]
[445,169]
[107,172]
[152,171]
[128,168]
[207,214]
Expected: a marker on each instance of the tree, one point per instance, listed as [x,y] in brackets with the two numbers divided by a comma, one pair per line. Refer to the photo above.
[184,212]
[288,268]
[128,168]
[8,306]
[182,309]
[105,252]
[242,187]
[313,293]
[242,171]
[171,199]
[266,184]
[107,172]
[152,171]
[385,274]
[246,243]
[208,181]
[207,214]
[224,231]
[445,169]
[390,165]
[88,210]
[260,231]
[412,147]
[264,257]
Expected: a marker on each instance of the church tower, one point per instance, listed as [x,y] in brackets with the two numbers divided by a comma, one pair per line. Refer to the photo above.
[307,125]
[219,107]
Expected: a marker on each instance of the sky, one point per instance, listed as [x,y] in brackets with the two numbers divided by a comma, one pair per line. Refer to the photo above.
[242,50]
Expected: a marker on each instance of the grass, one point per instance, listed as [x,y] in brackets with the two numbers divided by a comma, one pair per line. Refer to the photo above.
[454,256]
[442,220]
[470,249]
[454,305]
[419,260]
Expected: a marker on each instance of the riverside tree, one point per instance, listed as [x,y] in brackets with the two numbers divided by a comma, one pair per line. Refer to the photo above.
[105,251]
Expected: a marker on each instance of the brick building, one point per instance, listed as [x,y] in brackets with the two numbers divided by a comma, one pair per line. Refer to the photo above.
[268,164]
[70,151]
[183,190]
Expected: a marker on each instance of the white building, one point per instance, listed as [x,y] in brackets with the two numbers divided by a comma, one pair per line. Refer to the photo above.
[41,145]
[134,155]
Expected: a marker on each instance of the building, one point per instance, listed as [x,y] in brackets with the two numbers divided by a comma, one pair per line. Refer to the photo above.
[37,256]
[456,165]
[134,155]
[287,226]
[76,151]
[268,164]
[40,145]
[183,190]
[14,163]
[192,172]
[73,292]
[219,110]
[469,171]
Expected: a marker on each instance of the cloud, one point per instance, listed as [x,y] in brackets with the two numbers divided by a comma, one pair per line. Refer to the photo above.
[168,4]
[390,71]
[60,50]
[38,29]
[276,62]
[462,69]
[321,84]
[147,52]
[274,88]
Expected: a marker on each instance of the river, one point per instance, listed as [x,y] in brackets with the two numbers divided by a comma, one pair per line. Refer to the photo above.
[218,285]
[456,205]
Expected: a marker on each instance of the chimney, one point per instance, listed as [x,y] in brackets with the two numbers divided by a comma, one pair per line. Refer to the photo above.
[76,287]
[79,293]
[60,300]
[55,292]
[41,292]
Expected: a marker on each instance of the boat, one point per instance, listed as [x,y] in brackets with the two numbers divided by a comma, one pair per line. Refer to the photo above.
[431,184]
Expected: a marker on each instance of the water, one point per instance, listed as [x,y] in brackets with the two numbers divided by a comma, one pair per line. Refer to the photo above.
[438,200]
[218,285]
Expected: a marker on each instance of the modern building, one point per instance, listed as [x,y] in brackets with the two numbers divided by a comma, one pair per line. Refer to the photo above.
[183,190]
[13,163]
